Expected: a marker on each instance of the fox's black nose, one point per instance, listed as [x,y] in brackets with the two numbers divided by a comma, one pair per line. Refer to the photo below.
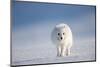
[61,38]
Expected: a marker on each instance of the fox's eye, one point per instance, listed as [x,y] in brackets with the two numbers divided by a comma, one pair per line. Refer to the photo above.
[63,33]
[58,33]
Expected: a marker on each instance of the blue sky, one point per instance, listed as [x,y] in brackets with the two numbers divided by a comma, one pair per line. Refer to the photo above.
[31,13]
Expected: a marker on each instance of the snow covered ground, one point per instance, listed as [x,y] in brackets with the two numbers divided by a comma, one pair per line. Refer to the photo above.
[41,54]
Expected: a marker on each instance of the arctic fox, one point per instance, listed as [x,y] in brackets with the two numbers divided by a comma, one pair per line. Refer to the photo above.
[62,37]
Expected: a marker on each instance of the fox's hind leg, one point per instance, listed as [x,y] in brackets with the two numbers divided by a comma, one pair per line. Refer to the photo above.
[68,51]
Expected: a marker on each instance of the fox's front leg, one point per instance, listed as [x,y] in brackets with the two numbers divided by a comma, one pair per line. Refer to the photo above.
[63,51]
[58,51]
